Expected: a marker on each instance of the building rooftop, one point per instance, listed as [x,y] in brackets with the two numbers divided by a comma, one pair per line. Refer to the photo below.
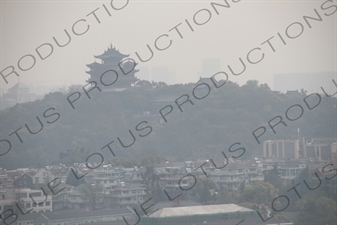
[111,52]
[74,213]
[198,210]
[171,204]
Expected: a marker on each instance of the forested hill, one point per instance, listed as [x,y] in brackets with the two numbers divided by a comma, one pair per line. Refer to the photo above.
[229,114]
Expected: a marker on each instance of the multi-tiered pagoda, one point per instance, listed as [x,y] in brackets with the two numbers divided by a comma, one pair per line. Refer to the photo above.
[112,59]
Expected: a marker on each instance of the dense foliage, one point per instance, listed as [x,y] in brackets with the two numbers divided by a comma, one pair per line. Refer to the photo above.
[227,115]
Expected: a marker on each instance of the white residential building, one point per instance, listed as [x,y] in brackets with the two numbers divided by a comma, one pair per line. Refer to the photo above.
[27,199]
[42,176]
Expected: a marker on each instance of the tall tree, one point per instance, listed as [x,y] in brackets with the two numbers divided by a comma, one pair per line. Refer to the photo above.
[201,192]
[259,192]
[272,177]
[316,210]
[92,194]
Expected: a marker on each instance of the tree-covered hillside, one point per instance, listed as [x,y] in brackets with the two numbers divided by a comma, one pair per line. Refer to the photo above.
[229,114]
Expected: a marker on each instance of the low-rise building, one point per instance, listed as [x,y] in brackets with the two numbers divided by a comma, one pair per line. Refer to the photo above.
[74,217]
[26,199]
[196,214]
[289,170]
[107,176]
[42,176]
[125,194]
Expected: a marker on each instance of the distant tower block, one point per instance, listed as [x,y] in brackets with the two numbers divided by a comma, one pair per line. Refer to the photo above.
[292,149]
[318,149]
[112,59]
[210,66]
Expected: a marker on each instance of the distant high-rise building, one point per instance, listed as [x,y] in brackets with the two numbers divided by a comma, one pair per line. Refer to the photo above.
[210,67]
[19,93]
[292,149]
[311,82]
[163,74]
[317,149]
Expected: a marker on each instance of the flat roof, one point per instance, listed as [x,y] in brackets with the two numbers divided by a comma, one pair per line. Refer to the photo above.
[198,210]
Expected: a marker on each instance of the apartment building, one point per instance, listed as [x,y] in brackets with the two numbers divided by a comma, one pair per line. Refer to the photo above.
[234,174]
[318,149]
[125,194]
[107,176]
[17,192]
[43,176]
[27,199]
[289,170]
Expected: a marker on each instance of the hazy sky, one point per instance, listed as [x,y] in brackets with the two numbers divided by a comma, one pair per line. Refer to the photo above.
[25,25]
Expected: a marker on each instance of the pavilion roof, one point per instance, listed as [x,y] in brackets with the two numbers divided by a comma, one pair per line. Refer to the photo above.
[94,64]
[111,52]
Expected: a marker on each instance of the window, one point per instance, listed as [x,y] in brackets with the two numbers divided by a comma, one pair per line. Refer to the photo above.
[28,205]
[47,203]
